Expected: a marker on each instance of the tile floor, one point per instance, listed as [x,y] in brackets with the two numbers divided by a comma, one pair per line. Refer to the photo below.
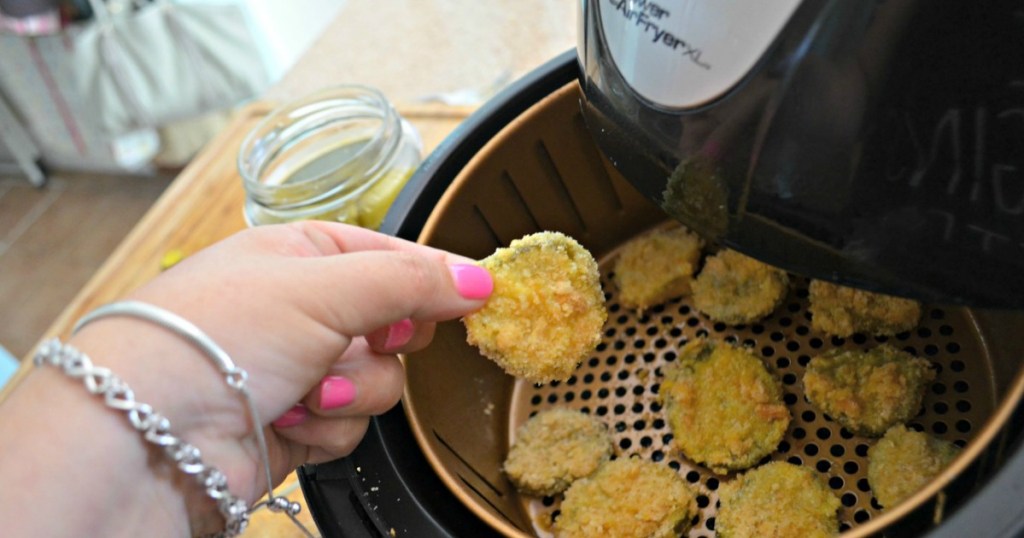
[53,239]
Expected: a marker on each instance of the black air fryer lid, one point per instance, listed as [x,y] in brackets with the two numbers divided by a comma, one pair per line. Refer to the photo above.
[879,144]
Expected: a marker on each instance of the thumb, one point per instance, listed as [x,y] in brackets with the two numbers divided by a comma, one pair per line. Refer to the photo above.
[385,287]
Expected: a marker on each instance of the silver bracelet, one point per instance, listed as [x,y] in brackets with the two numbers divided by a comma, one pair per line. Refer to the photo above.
[156,428]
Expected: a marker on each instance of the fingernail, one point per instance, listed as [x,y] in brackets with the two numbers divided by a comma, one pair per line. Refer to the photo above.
[336,391]
[472,281]
[399,334]
[292,417]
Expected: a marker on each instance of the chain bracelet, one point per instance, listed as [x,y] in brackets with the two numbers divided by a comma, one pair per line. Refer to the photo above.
[156,429]
[236,378]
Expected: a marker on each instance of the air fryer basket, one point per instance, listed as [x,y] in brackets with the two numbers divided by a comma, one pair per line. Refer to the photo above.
[543,172]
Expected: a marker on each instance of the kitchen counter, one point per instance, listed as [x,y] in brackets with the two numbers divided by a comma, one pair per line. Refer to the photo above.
[418,50]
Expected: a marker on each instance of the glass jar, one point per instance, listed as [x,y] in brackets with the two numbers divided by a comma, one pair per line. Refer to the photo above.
[340,154]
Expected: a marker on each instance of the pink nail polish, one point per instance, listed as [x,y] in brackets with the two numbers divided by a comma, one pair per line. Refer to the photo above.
[472,281]
[399,334]
[336,391]
[292,417]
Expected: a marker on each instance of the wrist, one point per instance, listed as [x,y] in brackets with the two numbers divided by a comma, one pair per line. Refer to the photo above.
[99,476]
[206,418]
[168,373]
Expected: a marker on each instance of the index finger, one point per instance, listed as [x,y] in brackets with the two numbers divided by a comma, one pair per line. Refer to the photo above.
[336,238]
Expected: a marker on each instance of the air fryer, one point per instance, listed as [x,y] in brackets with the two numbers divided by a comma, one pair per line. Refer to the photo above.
[876,143]
[542,156]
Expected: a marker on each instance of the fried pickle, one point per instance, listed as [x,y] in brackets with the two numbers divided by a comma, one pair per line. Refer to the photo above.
[554,448]
[842,311]
[627,498]
[733,288]
[777,500]
[656,267]
[904,461]
[724,408]
[547,310]
[868,391]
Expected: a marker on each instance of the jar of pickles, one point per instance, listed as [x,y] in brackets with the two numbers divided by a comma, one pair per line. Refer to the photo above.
[340,154]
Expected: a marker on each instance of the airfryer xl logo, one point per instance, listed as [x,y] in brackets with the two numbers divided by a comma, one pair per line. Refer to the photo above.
[963,165]
[646,16]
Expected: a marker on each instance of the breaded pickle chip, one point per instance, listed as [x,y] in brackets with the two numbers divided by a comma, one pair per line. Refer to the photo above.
[627,498]
[733,288]
[842,311]
[724,408]
[554,448]
[868,391]
[656,267]
[697,193]
[904,461]
[547,310]
[777,500]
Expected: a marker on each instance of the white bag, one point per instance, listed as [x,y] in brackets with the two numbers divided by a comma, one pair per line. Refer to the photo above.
[164,62]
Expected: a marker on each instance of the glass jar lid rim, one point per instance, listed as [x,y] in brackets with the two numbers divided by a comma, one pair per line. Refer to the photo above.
[334,97]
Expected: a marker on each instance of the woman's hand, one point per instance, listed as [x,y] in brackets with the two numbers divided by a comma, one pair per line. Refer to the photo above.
[315,313]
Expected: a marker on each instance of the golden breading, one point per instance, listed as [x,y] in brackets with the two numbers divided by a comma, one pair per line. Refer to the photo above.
[868,391]
[724,408]
[656,267]
[733,288]
[627,498]
[697,193]
[777,500]
[904,461]
[842,311]
[554,448]
[547,310]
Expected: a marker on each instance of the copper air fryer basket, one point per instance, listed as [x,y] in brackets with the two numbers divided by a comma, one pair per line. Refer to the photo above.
[543,172]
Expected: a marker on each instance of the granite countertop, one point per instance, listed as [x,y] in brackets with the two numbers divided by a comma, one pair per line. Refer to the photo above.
[414,49]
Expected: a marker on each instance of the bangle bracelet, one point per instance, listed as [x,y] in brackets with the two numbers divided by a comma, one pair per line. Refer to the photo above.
[237,514]
[184,328]
[156,429]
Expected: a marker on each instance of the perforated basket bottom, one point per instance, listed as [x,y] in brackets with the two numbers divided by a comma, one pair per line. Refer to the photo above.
[619,384]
